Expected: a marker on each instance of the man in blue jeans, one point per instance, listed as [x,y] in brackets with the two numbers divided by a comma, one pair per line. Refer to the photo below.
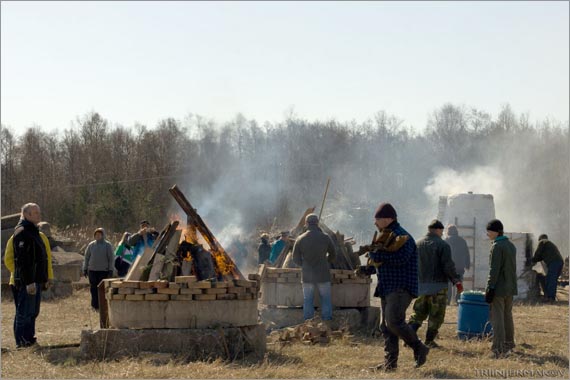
[313,251]
[548,252]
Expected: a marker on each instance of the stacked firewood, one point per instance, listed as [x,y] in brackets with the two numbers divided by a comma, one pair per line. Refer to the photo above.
[311,332]
[184,288]
[293,275]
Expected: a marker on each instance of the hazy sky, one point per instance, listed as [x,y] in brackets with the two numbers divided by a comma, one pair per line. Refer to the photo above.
[146,61]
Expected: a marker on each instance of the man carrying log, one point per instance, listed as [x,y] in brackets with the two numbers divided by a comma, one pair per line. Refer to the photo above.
[397,267]
[144,237]
[313,251]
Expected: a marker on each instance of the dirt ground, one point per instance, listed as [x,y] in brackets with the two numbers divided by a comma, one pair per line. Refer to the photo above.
[541,336]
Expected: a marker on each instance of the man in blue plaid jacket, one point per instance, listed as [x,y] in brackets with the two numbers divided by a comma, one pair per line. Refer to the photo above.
[397,286]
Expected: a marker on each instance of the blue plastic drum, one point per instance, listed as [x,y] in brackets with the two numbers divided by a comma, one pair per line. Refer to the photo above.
[473,316]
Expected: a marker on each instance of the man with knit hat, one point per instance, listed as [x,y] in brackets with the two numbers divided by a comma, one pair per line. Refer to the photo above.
[313,251]
[459,254]
[98,263]
[501,287]
[436,268]
[397,268]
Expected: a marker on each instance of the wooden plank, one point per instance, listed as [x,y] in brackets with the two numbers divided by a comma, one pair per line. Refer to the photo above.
[200,285]
[144,291]
[216,291]
[226,296]
[130,284]
[204,297]
[220,284]
[146,284]
[181,297]
[156,297]
[168,269]
[157,265]
[160,284]
[185,279]
[126,291]
[167,291]
[190,291]
[134,297]
[116,284]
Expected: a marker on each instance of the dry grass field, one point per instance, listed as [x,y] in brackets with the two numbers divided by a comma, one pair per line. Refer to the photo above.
[541,335]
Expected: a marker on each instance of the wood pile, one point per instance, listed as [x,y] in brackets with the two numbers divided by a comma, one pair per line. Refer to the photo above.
[184,288]
[293,275]
[312,331]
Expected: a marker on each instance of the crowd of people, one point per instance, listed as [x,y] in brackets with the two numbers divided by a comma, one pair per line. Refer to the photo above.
[406,271]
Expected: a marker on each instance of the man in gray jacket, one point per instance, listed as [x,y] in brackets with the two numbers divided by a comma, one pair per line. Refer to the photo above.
[313,251]
[98,263]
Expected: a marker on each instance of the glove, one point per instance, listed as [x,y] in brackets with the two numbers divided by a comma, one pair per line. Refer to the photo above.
[489,296]
[31,289]
[459,287]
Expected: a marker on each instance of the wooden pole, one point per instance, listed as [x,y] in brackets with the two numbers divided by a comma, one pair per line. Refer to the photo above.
[324,198]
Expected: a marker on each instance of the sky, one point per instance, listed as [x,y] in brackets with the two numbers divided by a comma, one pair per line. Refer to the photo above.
[141,62]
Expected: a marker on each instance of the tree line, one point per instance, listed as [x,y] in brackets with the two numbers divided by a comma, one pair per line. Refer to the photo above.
[253,175]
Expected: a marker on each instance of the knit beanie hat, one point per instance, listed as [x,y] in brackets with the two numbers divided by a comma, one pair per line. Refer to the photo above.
[452,230]
[543,237]
[436,224]
[495,225]
[385,210]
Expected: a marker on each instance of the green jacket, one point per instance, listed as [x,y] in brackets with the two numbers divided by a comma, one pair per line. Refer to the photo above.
[503,267]
[546,251]
[310,253]
[435,266]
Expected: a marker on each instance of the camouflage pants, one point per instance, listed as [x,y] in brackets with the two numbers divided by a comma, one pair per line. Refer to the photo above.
[432,307]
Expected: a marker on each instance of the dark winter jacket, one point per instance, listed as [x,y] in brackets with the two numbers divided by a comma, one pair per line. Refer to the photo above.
[30,255]
[459,253]
[263,251]
[313,251]
[503,267]
[546,251]
[436,267]
[399,270]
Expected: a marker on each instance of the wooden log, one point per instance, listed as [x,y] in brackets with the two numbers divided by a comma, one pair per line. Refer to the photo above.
[130,284]
[126,291]
[168,269]
[190,291]
[157,265]
[200,285]
[116,284]
[144,291]
[173,285]
[244,283]
[160,284]
[146,284]
[237,290]
[220,284]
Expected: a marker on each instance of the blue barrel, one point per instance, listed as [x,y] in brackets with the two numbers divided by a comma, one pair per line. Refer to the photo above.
[473,316]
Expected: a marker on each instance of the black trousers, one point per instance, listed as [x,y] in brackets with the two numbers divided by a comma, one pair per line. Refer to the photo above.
[393,324]
[95,277]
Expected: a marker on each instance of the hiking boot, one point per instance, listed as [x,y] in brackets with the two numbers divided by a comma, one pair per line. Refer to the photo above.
[421,352]
[432,344]
[430,336]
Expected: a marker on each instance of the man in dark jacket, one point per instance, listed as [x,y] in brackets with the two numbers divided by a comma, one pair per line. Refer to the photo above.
[313,251]
[459,254]
[397,268]
[501,287]
[30,273]
[98,263]
[436,268]
[548,252]
[264,249]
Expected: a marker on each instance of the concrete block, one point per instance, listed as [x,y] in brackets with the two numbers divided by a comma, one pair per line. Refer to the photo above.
[291,295]
[204,297]
[182,314]
[194,344]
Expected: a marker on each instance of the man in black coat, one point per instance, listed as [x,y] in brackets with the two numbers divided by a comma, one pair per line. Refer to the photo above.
[460,256]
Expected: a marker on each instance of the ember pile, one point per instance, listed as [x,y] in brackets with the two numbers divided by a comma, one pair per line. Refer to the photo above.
[313,331]
[184,288]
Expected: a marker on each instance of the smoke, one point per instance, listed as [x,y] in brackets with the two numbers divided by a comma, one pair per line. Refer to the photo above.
[481,180]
